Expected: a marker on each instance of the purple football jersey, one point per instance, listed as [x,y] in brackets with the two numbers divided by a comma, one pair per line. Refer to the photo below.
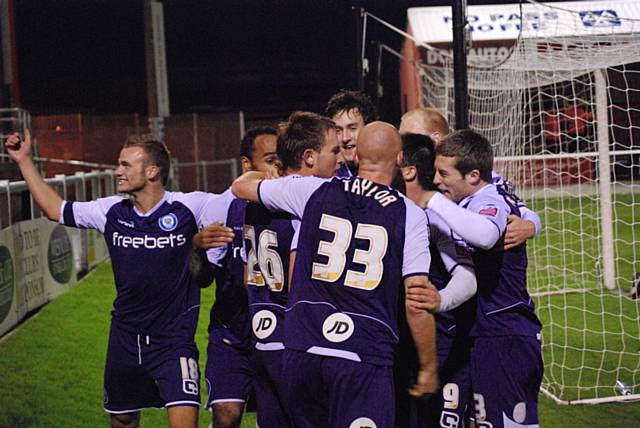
[229,318]
[150,255]
[504,305]
[267,241]
[358,240]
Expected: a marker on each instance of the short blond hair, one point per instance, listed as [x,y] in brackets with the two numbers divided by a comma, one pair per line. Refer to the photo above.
[431,119]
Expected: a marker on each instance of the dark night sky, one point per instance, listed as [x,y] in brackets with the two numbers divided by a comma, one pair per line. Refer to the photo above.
[88,55]
[254,55]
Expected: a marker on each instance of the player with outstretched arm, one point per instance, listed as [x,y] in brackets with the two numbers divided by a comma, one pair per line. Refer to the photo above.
[152,358]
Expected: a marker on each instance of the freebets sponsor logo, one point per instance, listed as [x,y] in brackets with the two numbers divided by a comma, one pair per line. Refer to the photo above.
[148,242]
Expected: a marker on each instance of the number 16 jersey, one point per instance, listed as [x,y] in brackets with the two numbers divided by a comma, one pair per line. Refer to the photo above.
[358,240]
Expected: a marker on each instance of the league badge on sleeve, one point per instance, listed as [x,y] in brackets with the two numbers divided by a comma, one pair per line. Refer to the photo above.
[489,211]
[168,222]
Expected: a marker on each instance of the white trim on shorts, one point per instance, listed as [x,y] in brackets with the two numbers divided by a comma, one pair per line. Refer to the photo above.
[181,403]
[121,412]
[227,400]
[271,346]
[330,352]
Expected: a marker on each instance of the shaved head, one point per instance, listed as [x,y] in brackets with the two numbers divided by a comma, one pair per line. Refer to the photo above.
[425,121]
[379,143]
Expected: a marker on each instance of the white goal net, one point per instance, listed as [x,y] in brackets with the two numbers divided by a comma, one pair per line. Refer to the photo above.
[561,105]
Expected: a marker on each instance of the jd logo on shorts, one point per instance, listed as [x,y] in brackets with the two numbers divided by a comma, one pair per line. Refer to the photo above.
[59,255]
[264,323]
[168,222]
[6,282]
[337,327]
[363,423]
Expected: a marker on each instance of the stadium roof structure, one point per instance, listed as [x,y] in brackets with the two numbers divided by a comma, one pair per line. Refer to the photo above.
[433,25]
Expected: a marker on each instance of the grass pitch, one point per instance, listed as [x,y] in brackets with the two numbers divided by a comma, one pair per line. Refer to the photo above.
[591,336]
[52,367]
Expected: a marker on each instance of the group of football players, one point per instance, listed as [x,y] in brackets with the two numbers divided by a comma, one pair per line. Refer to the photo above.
[366,276]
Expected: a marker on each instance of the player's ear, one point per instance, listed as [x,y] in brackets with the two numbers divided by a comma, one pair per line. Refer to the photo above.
[409,173]
[152,172]
[472,177]
[246,164]
[309,157]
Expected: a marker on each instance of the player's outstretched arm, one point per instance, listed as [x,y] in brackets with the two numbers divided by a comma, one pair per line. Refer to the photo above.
[246,186]
[460,288]
[423,329]
[45,195]
[474,228]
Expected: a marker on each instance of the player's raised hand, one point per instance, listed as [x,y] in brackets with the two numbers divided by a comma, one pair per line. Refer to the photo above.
[427,383]
[423,296]
[212,236]
[518,231]
[17,148]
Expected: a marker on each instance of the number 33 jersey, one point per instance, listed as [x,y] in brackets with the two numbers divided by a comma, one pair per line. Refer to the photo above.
[358,240]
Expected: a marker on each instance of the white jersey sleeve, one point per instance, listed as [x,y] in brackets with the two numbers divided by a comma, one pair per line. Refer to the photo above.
[483,221]
[209,208]
[288,194]
[416,257]
[532,216]
[457,260]
[91,214]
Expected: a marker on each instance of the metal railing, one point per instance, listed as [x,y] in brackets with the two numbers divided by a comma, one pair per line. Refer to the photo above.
[206,176]
[82,186]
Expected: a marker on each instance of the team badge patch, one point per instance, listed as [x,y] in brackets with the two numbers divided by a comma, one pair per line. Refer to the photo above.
[168,222]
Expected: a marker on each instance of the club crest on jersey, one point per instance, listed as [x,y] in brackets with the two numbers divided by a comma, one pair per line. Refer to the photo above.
[264,323]
[168,222]
[337,327]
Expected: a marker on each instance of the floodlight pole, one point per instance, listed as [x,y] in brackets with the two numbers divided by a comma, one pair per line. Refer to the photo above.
[459,17]
[156,67]
[360,67]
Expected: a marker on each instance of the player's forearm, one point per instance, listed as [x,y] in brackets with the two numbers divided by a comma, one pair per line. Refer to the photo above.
[45,195]
[246,186]
[460,288]
[423,330]
[474,228]
[530,215]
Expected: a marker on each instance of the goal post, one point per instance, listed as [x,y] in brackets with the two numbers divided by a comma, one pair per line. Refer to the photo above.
[556,89]
[606,224]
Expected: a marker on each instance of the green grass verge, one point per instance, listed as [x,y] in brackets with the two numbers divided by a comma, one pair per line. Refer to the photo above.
[590,339]
[52,366]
